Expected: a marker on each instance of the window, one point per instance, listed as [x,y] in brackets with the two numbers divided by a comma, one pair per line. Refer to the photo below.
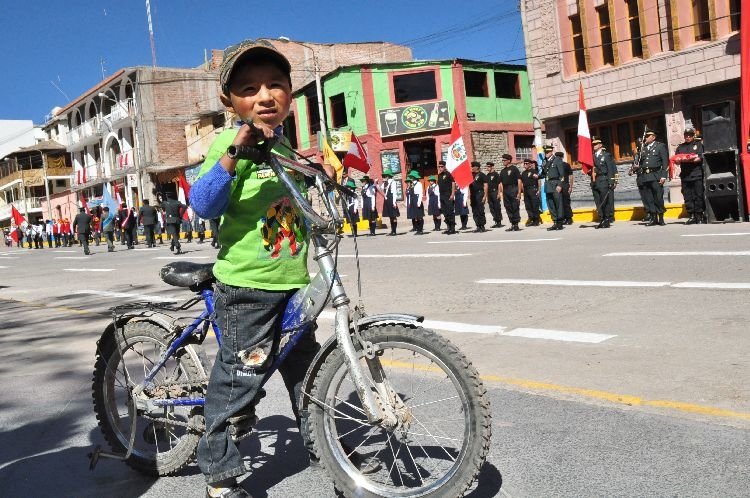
[338,111]
[290,131]
[579,51]
[218,120]
[312,111]
[414,87]
[701,18]
[524,147]
[507,86]
[734,13]
[619,137]
[636,43]
[605,32]
[475,83]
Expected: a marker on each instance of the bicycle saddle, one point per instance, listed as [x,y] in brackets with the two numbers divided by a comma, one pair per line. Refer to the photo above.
[187,274]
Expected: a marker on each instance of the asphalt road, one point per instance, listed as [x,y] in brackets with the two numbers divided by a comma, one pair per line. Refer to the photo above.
[617,361]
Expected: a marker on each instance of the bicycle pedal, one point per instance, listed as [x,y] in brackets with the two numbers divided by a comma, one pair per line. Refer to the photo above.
[242,426]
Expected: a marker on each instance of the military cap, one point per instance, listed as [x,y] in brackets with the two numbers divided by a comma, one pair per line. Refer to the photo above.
[649,132]
[508,157]
[689,132]
[595,140]
[549,148]
[476,164]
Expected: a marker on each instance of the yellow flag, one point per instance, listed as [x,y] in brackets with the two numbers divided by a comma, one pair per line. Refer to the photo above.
[329,157]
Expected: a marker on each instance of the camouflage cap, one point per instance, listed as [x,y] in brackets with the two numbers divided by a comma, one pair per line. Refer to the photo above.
[234,53]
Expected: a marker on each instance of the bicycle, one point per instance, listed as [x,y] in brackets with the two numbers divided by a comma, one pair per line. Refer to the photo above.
[383,386]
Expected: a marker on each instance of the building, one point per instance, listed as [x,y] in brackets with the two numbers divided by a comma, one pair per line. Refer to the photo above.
[30,176]
[16,133]
[402,112]
[667,64]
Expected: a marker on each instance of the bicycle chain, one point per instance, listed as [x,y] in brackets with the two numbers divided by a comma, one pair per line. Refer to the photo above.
[165,391]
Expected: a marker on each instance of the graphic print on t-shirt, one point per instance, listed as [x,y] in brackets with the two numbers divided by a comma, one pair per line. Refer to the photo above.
[283,230]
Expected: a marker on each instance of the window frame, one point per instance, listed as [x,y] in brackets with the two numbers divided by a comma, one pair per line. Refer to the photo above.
[516,84]
[605,34]
[484,86]
[407,74]
[337,104]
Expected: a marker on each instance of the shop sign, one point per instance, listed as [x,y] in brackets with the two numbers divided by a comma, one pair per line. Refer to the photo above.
[414,118]
[339,140]
[132,180]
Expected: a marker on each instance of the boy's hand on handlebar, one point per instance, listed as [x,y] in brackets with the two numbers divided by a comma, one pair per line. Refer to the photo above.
[252,133]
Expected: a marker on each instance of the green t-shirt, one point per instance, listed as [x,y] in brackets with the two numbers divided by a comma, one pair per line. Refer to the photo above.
[263,237]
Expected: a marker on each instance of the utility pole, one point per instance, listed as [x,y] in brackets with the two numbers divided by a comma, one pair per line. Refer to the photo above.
[151,33]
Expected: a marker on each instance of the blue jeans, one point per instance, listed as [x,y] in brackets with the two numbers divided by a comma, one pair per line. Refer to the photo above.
[250,322]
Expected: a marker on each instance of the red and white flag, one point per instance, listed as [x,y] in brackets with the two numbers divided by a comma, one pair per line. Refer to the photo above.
[85,204]
[585,154]
[18,220]
[183,193]
[457,162]
[356,157]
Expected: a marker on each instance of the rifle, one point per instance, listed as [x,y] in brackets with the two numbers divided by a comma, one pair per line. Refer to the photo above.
[637,157]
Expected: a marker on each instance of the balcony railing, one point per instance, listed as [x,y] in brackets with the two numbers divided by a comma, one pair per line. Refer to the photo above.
[124,160]
[88,129]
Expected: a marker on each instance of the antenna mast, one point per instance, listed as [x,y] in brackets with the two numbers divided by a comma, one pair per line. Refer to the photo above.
[151,33]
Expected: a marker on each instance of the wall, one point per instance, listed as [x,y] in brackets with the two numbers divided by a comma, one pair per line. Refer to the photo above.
[14,134]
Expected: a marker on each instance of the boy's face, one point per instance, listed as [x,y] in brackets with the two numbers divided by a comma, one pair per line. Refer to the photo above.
[259,92]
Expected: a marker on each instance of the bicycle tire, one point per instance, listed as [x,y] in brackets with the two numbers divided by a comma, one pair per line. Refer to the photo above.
[189,363]
[461,373]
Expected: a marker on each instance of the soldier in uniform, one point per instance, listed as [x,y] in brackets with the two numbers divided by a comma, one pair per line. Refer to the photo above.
[554,173]
[603,176]
[511,189]
[493,195]
[173,211]
[567,189]
[447,190]
[691,174]
[390,208]
[147,216]
[530,183]
[478,194]
[652,174]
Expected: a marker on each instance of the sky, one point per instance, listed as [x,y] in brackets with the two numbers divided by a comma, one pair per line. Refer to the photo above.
[55,51]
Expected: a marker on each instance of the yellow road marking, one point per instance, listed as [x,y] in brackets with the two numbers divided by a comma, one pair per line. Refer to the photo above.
[623,399]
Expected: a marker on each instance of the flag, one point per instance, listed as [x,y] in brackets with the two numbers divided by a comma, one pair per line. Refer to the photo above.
[18,220]
[330,158]
[356,157]
[458,161]
[744,8]
[183,193]
[108,200]
[84,204]
[585,154]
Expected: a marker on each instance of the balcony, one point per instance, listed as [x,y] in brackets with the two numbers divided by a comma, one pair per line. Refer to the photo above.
[84,134]
[124,161]
[119,113]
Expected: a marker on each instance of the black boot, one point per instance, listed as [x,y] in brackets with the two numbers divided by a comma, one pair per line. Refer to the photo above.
[692,219]
[660,221]
[648,218]
[701,218]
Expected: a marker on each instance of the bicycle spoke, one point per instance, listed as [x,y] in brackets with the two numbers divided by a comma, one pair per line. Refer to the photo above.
[419,474]
[432,402]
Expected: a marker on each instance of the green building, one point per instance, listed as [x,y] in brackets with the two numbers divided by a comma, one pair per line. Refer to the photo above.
[403,112]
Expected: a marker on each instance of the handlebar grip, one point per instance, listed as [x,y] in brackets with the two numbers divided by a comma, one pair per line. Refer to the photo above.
[254,153]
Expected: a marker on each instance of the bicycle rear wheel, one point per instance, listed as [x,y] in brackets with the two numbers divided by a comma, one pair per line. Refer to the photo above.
[165,438]
[445,429]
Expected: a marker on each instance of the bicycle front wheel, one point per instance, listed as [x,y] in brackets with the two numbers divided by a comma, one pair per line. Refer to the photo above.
[444,433]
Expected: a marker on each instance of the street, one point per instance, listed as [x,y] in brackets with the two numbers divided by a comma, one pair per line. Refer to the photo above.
[616,361]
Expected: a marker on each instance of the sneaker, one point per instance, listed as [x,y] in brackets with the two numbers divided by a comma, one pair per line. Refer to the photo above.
[235,491]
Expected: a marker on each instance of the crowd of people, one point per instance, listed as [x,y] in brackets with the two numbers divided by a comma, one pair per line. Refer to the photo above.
[445,201]
[100,225]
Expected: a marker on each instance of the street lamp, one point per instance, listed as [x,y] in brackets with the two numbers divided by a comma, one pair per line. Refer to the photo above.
[318,86]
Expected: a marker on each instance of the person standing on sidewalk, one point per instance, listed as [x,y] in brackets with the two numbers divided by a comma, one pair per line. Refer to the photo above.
[108,228]
[567,189]
[478,193]
[433,202]
[554,172]
[369,208]
[603,183]
[691,176]
[493,194]
[652,175]
[415,195]
[390,208]
[530,183]
[82,227]
[447,190]
[511,189]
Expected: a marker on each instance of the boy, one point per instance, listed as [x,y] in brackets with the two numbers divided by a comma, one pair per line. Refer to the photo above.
[255,275]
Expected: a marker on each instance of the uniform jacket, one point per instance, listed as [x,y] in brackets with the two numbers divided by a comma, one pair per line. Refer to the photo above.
[604,165]
[691,171]
[445,184]
[147,215]
[389,187]
[173,210]
[555,173]
[654,162]
[82,223]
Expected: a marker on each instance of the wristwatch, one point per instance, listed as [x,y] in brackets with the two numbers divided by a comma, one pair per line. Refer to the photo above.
[232,152]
